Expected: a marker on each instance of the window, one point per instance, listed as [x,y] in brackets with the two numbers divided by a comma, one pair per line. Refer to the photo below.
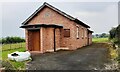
[66,32]
[82,32]
[85,33]
[77,35]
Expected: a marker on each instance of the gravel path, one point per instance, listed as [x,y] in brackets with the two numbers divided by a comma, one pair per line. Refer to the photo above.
[87,58]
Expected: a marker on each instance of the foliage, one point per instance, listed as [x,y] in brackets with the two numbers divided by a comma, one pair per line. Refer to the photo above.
[118,34]
[112,33]
[8,40]
[115,38]
[118,58]
[115,35]
[113,53]
[103,35]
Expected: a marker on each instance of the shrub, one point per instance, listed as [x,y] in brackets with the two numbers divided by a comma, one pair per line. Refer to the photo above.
[115,35]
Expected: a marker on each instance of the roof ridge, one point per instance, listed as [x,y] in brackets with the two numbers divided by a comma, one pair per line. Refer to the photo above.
[45,3]
[54,8]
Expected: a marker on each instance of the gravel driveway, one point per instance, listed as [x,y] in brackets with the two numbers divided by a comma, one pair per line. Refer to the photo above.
[85,58]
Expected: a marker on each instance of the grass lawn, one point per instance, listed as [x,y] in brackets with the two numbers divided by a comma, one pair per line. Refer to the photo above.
[99,40]
[5,52]
[12,46]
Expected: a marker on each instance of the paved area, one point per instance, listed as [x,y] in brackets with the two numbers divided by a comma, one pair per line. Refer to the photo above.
[86,58]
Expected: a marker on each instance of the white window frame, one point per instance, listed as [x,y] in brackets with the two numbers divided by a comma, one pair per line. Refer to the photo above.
[82,32]
[77,34]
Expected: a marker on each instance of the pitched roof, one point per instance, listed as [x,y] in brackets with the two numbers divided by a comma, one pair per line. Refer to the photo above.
[90,31]
[57,10]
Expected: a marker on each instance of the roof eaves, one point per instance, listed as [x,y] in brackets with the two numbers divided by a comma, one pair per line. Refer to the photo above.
[40,25]
[90,31]
[81,23]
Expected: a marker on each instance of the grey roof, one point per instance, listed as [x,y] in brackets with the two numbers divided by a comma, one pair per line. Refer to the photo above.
[90,31]
[57,10]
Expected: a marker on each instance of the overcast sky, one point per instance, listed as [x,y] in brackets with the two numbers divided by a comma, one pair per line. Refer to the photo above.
[100,16]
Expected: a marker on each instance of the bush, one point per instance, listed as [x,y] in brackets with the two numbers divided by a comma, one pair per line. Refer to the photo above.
[118,59]
[115,35]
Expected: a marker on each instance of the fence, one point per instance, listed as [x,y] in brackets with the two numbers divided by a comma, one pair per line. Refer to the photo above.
[12,46]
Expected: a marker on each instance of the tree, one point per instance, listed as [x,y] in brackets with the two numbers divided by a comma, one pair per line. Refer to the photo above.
[8,40]
[115,35]
[97,35]
[118,34]
[112,33]
[103,35]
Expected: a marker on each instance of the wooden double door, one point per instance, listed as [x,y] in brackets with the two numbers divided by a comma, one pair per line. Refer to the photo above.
[34,40]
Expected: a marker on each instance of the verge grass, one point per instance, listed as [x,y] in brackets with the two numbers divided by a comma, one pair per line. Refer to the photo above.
[16,65]
[12,46]
[100,40]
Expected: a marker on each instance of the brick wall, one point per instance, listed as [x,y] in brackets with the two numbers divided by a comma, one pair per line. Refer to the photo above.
[26,39]
[90,38]
[48,16]
[48,39]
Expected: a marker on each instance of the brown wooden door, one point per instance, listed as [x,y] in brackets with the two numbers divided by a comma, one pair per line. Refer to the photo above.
[34,40]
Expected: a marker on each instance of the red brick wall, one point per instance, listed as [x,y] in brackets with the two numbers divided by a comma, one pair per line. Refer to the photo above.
[90,38]
[48,39]
[57,37]
[48,16]
[26,39]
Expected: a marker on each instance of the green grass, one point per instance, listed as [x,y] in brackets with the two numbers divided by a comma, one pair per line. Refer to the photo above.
[12,46]
[6,51]
[100,40]
[16,65]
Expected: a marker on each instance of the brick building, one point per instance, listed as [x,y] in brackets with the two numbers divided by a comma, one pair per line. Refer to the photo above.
[50,29]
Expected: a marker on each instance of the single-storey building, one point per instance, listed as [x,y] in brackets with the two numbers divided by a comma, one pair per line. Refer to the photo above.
[50,29]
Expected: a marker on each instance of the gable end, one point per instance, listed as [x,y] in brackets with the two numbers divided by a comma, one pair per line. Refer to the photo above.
[58,11]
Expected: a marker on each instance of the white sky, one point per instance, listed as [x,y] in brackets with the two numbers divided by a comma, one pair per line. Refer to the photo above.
[100,16]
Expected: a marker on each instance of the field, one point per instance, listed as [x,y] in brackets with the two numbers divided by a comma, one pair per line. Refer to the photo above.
[7,49]
[12,46]
[99,40]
